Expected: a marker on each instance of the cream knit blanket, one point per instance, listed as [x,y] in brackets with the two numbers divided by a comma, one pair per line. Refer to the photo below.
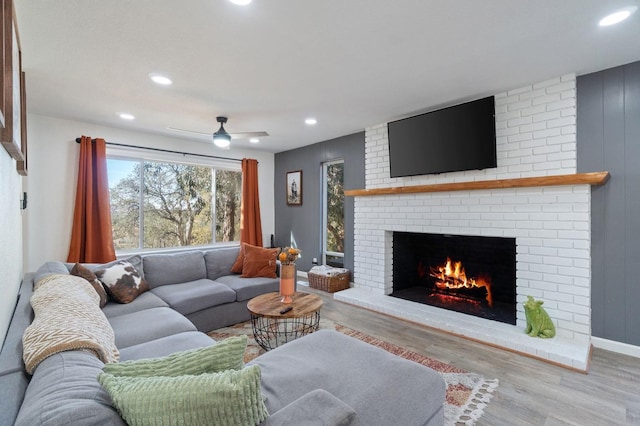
[67,317]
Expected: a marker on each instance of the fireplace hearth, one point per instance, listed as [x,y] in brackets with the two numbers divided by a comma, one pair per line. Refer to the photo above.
[468,274]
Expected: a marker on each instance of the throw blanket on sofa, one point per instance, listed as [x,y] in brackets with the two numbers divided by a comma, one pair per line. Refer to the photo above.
[67,317]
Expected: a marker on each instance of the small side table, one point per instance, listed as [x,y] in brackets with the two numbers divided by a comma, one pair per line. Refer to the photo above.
[272,329]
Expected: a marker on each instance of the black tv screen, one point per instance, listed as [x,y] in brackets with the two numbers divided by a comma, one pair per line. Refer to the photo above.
[461,137]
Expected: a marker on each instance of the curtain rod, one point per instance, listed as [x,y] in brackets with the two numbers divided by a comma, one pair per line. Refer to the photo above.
[166,150]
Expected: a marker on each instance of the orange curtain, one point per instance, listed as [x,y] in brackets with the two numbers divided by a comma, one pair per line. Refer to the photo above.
[250,225]
[91,235]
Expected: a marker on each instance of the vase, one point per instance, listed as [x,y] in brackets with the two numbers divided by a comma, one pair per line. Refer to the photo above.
[287,282]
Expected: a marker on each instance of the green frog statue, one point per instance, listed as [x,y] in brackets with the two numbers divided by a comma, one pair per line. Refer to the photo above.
[539,323]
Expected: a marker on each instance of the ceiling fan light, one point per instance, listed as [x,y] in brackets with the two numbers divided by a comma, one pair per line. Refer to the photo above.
[221,140]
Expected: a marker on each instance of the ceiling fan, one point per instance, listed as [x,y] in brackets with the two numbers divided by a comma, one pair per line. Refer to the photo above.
[222,138]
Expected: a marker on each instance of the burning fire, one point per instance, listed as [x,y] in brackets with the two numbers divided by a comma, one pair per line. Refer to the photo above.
[452,276]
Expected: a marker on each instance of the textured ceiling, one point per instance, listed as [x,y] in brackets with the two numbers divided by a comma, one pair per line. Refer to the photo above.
[268,66]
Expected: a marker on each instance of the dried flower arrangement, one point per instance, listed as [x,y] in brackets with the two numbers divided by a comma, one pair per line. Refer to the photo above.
[288,255]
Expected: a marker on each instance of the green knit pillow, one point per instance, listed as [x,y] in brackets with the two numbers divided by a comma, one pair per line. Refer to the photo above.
[227,354]
[231,397]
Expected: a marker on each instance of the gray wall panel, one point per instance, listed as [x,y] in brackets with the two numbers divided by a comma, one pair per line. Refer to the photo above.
[632,197]
[303,223]
[609,139]
[591,158]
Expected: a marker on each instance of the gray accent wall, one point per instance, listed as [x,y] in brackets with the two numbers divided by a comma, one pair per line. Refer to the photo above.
[303,223]
[608,126]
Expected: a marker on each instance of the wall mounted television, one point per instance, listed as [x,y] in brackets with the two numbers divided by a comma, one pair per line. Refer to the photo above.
[461,137]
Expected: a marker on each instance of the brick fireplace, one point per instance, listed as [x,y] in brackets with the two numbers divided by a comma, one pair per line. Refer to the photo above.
[536,137]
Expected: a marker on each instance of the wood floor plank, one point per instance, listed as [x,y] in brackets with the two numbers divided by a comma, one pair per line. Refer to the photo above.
[531,392]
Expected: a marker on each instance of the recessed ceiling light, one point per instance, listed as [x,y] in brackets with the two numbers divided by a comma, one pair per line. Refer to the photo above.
[240,2]
[254,140]
[617,16]
[126,116]
[310,121]
[160,79]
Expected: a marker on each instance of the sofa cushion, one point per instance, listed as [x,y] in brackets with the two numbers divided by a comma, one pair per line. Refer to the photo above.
[196,295]
[343,366]
[259,262]
[248,288]
[146,300]
[146,325]
[167,345]
[317,407]
[227,354]
[135,260]
[50,268]
[84,272]
[122,281]
[163,269]
[236,268]
[219,261]
[64,391]
[230,397]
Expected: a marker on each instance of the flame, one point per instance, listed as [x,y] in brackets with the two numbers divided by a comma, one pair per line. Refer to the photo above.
[453,276]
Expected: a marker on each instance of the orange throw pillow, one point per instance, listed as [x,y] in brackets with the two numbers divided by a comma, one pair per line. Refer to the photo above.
[259,262]
[237,265]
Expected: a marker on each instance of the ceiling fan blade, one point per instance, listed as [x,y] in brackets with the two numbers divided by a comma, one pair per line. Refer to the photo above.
[245,135]
[190,131]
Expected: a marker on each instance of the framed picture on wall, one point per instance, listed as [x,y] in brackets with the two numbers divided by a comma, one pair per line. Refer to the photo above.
[11,133]
[294,188]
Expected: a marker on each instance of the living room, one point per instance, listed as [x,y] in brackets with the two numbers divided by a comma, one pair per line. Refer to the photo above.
[596,102]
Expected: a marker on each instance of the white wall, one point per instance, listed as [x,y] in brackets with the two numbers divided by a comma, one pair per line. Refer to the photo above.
[53,164]
[11,258]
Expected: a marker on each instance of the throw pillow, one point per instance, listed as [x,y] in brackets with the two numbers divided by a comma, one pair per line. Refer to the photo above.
[227,354]
[122,281]
[84,272]
[237,265]
[231,397]
[259,262]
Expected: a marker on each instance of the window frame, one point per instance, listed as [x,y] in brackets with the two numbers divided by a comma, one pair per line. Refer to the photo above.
[141,155]
[323,237]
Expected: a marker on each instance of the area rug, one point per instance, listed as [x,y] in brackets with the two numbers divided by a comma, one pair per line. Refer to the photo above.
[467,395]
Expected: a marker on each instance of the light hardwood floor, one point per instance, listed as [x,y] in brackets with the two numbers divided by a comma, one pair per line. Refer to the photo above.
[531,392]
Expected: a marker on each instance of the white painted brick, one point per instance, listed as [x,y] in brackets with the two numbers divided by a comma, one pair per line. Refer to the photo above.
[542,268]
[534,127]
[560,122]
[505,100]
[543,100]
[565,104]
[530,215]
[547,83]
[546,133]
[519,105]
[568,85]
[515,122]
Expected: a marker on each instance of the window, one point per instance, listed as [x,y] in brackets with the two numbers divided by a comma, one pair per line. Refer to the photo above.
[333,213]
[160,204]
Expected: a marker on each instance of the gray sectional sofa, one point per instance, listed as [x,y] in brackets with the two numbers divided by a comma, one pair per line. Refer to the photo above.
[324,378]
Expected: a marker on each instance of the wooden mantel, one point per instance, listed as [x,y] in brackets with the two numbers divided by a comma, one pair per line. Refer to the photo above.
[593,178]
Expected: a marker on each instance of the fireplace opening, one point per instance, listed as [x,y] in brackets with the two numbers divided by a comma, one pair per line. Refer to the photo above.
[469,274]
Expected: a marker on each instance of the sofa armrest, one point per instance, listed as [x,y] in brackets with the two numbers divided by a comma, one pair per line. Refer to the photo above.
[317,407]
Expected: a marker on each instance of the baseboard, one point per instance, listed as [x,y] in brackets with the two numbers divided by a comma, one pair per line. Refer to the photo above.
[618,347]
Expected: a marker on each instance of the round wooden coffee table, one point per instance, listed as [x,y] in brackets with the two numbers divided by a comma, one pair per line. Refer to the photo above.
[272,328]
